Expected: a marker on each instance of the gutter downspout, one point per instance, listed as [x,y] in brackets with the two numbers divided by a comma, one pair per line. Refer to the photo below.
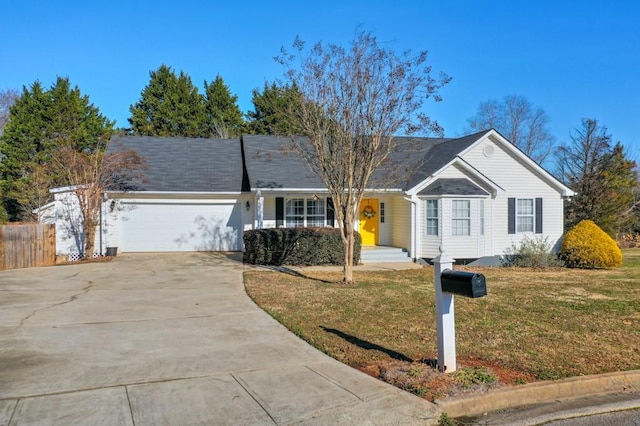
[414,217]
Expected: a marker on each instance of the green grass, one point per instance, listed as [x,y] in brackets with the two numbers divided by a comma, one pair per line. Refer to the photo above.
[546,323]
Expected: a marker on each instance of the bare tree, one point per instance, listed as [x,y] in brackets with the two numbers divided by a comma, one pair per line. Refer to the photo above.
[351,103]
[91,174]
[7,99]
[605,180]
[34,190]
[520,122]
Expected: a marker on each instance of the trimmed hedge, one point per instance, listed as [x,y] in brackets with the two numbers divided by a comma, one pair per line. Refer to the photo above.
[297,246]
[589,247]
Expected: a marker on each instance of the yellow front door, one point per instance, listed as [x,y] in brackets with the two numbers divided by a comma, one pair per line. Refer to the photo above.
[369,221]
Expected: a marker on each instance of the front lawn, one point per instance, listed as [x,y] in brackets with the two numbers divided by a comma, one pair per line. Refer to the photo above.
[537,324]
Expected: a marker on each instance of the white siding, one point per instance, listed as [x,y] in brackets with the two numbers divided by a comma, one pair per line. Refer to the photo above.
[64,212]
[269,215]
[400,225]
[518,181]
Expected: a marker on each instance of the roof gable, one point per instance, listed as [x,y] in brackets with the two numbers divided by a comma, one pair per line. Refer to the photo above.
[442,153]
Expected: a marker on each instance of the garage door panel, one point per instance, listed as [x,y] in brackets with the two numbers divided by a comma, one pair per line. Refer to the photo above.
[181,227]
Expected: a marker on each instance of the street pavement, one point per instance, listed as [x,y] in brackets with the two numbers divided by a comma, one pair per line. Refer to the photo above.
[169,339]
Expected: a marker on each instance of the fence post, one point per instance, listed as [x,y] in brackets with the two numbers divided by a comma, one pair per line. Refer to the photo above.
[445,316]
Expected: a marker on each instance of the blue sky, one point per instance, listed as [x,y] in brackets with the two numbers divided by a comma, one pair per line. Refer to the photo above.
[572,59]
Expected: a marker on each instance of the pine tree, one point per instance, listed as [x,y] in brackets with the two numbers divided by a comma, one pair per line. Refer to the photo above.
[267,117]
[40,122]
[169,105]
[223,116]
[604,179]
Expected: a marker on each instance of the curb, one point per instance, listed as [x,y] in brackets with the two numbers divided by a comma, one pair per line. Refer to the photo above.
[540,392]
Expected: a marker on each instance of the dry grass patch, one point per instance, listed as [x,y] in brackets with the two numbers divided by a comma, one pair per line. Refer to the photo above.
[534,324]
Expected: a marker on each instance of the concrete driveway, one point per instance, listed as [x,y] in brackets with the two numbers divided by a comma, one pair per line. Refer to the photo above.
[169,339]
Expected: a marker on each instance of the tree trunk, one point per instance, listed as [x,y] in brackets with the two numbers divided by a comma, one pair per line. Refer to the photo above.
[89,238]
[348,252]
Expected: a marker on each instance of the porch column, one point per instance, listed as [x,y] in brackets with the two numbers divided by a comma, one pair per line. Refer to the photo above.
[259,210]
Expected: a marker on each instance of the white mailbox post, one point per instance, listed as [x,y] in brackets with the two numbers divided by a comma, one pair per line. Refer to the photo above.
[445,316]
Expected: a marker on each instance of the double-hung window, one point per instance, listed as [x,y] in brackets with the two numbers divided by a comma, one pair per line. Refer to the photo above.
[301,212]
[294,214]
[525,215]
[432,217]
[460,218]
[315,212]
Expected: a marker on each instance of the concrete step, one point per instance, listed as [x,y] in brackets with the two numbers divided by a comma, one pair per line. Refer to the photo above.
[381,254]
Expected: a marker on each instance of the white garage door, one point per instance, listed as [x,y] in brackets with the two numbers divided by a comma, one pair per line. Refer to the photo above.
[158,227]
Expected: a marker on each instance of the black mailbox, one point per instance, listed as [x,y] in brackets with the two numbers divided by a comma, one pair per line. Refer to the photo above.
[468,284]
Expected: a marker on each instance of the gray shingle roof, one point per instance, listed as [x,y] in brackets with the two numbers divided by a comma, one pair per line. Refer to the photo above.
[456,186]
[216,165]
[186,164]
[271,163]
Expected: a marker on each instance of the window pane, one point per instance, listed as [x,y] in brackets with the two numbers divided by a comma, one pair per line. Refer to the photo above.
[461,218]
[315,213]
[432,208]
[295,213]
[525,224]
[525,206]
[461,209]
[525,215]
[432,217]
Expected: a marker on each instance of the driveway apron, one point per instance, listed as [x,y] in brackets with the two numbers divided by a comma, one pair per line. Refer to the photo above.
[169,339]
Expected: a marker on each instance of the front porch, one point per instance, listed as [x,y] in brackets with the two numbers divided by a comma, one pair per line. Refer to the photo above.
[383,254]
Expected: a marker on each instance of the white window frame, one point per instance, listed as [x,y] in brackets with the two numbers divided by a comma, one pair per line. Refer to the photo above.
[481,217]
[300,212]
[431,219]
[460,218]
[525,212]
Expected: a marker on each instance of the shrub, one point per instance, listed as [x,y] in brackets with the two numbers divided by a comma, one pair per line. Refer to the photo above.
[587,246]
[532,253]
[297,246]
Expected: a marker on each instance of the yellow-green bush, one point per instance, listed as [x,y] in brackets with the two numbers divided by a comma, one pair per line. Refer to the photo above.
[587,246]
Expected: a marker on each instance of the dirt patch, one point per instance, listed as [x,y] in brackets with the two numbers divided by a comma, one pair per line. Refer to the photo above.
[422,378]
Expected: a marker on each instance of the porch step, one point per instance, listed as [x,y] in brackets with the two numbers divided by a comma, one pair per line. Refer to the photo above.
[381,254]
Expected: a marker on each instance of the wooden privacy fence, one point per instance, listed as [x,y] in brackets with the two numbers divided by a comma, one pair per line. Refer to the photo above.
[27,245]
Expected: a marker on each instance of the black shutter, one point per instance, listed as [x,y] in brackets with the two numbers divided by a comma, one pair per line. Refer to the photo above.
[511,203]
[279,212]
[331,214]
[538,215]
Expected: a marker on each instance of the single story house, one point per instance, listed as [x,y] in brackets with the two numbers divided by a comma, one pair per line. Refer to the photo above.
[475,196]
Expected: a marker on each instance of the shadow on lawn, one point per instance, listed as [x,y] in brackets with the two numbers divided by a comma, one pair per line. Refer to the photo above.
[367,345]
[294,273]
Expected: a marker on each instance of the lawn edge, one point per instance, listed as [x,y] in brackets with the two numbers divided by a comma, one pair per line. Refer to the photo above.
[540,392]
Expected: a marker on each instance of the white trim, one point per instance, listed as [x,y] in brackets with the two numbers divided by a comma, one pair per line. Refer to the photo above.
[476,175]
[124,194]
[61,189]
[414,225]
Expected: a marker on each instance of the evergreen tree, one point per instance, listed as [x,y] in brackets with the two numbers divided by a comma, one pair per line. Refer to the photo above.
[268,118]
[40,122]
[169,105]
[223,116]
[604,179]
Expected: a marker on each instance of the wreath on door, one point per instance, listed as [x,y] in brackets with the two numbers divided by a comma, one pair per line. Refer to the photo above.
[368,212]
